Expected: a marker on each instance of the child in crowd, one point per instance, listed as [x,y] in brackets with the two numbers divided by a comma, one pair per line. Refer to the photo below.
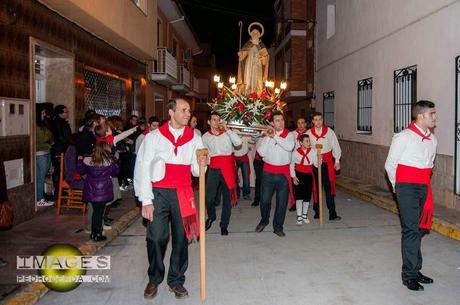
[302,177]
[99,168]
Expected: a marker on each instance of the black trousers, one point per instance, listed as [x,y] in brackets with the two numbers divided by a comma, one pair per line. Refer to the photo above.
[304,189]
[274,183]
[258,170]
[330,199]
[167,211]
[97,217]
[214,182]
[411,198]
[125,168]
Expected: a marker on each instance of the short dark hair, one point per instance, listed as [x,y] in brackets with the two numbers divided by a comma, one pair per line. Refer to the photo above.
[213,113]
[301,118]
[316,113]
[303,137]
[141,120]
[91,119]
[172,103]
[154,119]
[420,107]
[132,117]
[47,107]
[276,112]
[59,109]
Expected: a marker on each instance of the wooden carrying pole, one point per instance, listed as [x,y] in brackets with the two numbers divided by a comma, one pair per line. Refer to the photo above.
[320,184]
[202,207]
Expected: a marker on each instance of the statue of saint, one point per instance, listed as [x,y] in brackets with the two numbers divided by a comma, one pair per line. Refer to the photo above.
[253,62]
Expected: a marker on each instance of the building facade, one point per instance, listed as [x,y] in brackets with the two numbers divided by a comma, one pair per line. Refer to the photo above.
[294,54]
[369,71]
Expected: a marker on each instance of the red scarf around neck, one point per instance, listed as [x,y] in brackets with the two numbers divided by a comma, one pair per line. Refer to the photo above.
[284,134]
[186,136]
[304,154]
[414,128]
[323,132]
[300,133]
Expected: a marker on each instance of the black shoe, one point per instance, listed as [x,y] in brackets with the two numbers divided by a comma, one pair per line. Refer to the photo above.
[247,197]
[316,216]
[424,279]
[335,218]
[209,223]
[413,285]
[108,219]
[260,227]
[115,204]
[145,222]
[292,209]
[223,231]
[255,204]
[98,236]
[280,233]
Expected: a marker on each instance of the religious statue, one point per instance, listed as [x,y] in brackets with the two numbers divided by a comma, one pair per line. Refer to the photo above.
[253,62]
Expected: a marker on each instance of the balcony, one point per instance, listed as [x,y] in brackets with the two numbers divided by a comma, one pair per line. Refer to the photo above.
[165,72]
[184,81]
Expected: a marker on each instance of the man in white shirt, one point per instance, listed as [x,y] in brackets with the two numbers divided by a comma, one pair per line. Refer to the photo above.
[153,123]
[409,166]
[330,154]
[300,130]
[220,141]
[275,149]
[162,181]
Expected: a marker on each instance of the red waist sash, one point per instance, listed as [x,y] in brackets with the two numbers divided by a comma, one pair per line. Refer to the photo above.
[226,164]
[285,171]
[308,169]
[178,176]
[329,160]
[409,174]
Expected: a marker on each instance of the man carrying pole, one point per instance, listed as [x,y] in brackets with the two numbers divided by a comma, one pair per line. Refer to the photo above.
[162,181]
[330,155]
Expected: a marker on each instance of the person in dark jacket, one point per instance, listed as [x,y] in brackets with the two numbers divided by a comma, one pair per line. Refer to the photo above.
[99,168]
[62,139]
[86,138]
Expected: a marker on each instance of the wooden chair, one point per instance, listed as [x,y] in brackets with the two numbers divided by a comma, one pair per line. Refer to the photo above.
[68,197]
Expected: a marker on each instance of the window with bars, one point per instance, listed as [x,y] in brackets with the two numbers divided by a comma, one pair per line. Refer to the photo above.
[405,95]
[104,94]
[328,108]
[364,124]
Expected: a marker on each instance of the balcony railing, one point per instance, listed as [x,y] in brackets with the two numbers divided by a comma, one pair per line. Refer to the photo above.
[166,64]
[184,76]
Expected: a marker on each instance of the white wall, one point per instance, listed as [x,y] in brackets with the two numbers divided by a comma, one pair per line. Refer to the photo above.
[372,39]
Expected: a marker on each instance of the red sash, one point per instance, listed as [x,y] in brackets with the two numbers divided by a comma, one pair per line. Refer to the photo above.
[178,176]
[226,164]
[306,169]
[409,174]
[186,136]
[329,160]
[244,159]
[323,132]
[285,171]
[109,139]
[299,133]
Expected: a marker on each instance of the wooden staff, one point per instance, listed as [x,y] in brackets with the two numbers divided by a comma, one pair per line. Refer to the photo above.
[202,199]
[320,183]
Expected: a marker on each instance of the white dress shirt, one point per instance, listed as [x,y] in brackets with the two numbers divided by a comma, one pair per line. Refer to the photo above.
[154,152]
[244,148]
[276,150]
[297,158]
[407,148]
[329,142]
[221,145]
[197,131]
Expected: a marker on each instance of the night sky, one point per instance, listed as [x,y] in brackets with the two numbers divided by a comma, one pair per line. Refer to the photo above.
[216,22]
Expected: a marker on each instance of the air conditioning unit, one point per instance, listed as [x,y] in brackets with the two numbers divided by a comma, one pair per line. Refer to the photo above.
[188,54]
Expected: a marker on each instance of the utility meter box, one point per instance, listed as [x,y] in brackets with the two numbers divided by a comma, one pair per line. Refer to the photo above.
[14,117]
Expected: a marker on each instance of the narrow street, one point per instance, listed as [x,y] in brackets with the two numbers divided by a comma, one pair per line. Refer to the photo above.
[351,262]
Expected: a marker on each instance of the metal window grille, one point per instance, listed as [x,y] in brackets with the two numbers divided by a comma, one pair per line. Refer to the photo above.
[104,94]
[405,95]
[365,105]
[328,108]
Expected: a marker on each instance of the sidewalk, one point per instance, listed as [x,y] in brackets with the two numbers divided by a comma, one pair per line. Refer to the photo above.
[34,236]
[445,221]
